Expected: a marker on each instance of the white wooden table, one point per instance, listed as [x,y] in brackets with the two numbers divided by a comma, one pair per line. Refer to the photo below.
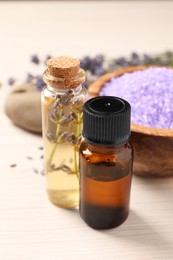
[30,226]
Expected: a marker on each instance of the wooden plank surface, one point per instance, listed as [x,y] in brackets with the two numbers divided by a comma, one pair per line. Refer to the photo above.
[30,226]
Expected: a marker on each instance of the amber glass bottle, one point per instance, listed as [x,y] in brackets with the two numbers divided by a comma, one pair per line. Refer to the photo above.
[62,120]
[106,160]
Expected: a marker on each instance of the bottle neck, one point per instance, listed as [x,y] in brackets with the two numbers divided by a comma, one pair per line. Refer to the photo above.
[106,149]
[64,91]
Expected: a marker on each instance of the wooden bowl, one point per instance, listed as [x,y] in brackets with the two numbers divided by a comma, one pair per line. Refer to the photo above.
[153,147]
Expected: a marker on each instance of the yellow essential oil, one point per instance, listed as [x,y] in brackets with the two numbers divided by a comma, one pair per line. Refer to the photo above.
[62,117]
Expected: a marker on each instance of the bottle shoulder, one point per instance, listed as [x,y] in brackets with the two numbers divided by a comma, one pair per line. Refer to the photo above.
[114,156]
[74,95]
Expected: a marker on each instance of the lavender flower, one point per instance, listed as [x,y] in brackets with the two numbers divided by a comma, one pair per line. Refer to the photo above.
[29,77]
[11,81]
[35,59]
[40,84]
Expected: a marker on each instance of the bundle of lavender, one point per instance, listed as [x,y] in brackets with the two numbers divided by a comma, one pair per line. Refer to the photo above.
[100,64]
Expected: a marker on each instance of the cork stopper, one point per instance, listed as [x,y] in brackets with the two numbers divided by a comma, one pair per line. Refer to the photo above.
[63,67]
[64,73]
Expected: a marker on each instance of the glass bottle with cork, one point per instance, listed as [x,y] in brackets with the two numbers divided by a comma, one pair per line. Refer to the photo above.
[106,159]
[62,119]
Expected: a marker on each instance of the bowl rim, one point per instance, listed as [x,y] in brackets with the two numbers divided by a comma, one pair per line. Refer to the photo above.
[96,86]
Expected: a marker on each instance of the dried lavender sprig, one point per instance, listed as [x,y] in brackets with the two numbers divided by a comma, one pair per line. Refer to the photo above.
[56,115]
[64,137]
[63,121]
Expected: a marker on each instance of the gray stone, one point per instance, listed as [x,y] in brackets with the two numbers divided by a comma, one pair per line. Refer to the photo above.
[23,107]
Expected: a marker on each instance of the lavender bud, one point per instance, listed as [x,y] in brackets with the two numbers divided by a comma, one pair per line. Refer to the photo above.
[29,77]
[50,137]
[63,137]
[73,115]
[72,138]
[79,139]
[35,59]
[56,103]
[78,101]
[64,102]
[56,114]
[67,169]
[65,120]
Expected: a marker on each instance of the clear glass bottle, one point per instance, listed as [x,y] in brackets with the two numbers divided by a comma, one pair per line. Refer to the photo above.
[62,119]
[106,159]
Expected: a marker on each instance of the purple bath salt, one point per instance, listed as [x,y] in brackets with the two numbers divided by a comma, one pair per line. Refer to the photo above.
[150,93]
